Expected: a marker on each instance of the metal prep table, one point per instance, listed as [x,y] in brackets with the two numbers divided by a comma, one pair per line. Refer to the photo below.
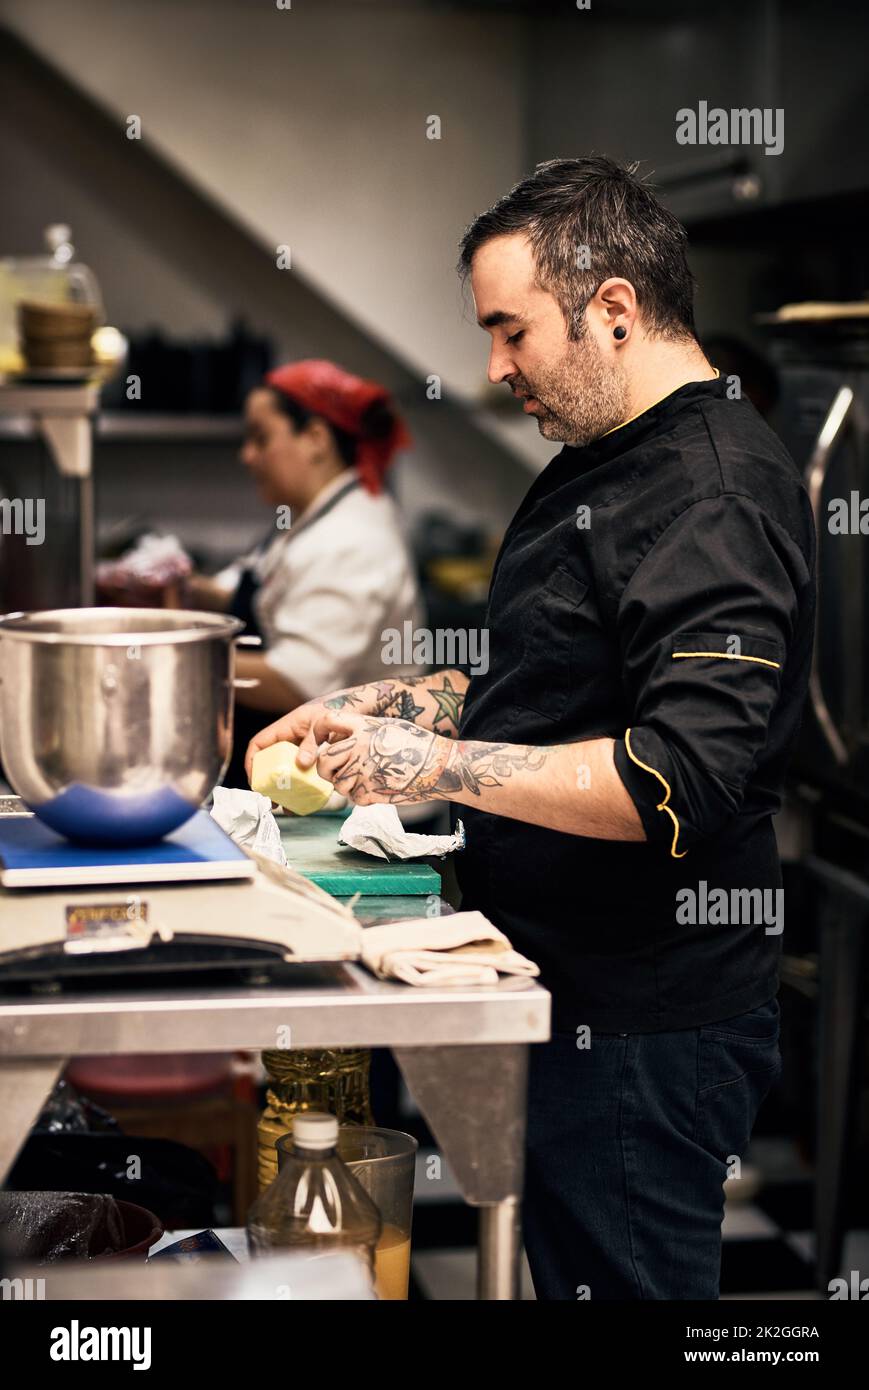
[462,1052]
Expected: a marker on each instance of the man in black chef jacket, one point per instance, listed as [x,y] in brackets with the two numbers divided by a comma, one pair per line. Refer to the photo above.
[650,636]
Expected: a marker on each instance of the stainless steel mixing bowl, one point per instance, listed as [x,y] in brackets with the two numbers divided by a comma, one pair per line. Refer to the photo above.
[115,723]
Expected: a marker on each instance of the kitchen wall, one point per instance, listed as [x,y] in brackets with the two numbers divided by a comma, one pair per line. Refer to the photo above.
[308,126]
[612,78]
[168,253]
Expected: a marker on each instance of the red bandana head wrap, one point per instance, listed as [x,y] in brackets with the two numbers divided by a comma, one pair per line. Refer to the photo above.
[343,400]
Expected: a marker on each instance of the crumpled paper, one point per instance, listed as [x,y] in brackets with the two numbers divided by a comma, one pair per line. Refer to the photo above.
[378,830]
[247,819]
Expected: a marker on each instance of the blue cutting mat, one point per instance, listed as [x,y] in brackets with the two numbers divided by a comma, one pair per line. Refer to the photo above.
[33,856]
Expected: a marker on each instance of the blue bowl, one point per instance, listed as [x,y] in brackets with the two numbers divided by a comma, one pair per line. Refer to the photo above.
[93,817]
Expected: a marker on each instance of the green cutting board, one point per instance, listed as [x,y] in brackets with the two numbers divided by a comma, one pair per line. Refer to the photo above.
[311,846]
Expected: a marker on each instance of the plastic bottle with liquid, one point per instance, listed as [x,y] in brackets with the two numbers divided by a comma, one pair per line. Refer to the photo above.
[315,1202]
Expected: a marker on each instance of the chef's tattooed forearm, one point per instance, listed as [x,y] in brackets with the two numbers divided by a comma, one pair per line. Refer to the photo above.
[342,699]
[449,702]
[394,700]
[433,702]
[377,699]
[406,762]
[390,760]
[477,765]
[394,760]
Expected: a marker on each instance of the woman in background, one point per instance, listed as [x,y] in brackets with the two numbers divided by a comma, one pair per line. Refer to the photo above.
[335,572]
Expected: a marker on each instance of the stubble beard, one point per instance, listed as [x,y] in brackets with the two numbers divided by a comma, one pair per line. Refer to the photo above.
[582,397]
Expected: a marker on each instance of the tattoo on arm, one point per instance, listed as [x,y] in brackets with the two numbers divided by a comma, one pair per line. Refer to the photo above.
[478,765]
[433,702]
[386,695]
[389,698]
[343,698]
[449,704]
[405,761]
[407,707]
[401,762]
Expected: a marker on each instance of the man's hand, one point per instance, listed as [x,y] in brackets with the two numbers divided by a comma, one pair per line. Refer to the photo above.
[371,759]
[570,787]
[430,702]
[296,727]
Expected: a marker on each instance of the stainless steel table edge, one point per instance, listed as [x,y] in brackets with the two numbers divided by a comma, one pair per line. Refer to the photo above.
[360,1011]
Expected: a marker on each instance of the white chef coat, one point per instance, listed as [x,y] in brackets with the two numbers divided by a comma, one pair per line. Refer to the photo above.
[330,586]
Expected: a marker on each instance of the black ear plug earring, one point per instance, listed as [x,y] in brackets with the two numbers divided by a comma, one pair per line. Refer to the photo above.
[620,332]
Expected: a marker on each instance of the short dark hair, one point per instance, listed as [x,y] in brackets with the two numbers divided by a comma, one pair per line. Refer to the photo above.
[378,422]
[595,203]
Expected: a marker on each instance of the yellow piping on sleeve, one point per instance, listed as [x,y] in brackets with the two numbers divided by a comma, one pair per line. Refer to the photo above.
[663,805]
[732,656]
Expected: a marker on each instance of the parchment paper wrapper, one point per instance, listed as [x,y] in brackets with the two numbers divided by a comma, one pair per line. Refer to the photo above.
[377,830]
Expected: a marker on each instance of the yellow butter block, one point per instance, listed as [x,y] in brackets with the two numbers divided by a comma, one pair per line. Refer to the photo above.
[298,789]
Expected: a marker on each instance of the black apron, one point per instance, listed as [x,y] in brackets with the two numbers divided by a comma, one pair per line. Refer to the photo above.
[248,722]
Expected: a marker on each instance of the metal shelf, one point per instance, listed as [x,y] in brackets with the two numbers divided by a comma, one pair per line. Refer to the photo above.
[126,427]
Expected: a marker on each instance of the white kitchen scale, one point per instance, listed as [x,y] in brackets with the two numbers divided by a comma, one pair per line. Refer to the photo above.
[60,899]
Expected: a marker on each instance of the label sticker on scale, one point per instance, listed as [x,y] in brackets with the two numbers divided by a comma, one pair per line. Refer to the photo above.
[113,926]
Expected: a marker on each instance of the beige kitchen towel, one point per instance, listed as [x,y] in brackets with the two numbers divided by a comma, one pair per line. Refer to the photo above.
[462,949]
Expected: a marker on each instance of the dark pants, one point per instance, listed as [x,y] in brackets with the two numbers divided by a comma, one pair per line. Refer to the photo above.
[629,1143]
